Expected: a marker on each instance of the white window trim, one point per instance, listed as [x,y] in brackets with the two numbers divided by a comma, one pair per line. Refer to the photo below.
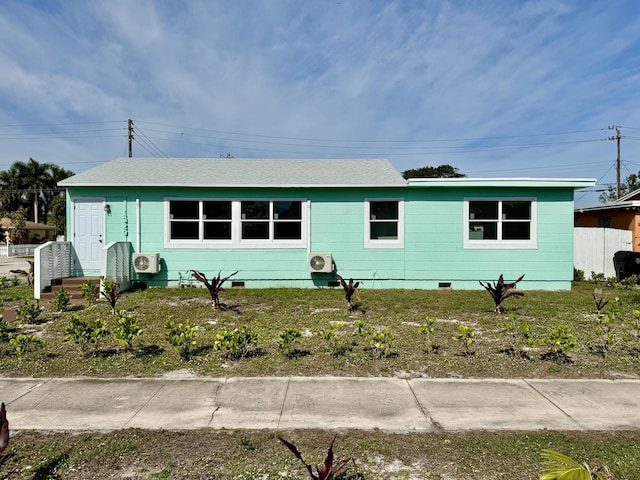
[395,243]
[532,243]
[236,226]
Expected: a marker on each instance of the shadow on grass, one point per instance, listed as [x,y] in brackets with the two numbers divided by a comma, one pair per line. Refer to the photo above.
[47,469]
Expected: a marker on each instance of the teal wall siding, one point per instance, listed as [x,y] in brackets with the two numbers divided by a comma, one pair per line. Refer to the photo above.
[433,238]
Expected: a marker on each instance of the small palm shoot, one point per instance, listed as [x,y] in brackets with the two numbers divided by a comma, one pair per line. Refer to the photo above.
[111,291]
[328,471]
[428,331]
[214,286]
[350,289]
[500,291]
[557,466]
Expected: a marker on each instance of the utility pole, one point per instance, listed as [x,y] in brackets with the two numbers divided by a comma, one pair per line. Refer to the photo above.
[617,137]
[130,125]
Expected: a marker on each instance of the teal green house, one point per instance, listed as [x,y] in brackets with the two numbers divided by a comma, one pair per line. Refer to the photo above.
[299,223]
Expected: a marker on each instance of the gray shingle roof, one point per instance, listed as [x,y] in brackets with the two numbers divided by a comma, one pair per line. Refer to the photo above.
[238,172]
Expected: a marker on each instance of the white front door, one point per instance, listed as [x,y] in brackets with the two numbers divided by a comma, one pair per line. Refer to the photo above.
[88,222]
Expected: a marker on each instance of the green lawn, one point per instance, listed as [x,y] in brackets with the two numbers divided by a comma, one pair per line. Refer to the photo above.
[258,455]
[268,312]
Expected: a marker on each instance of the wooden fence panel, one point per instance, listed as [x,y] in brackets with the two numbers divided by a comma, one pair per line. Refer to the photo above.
[593,249]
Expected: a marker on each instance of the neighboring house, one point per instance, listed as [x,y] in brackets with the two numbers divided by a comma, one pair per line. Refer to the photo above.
[33,232]
[275,221]
[623,214]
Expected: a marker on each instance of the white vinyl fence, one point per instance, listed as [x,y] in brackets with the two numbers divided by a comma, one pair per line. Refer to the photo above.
[593,249]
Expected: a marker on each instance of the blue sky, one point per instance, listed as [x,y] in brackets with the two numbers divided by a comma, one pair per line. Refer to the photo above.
[494,88]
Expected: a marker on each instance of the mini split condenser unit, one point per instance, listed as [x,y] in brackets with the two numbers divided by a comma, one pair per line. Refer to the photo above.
[320,263]
[146,262]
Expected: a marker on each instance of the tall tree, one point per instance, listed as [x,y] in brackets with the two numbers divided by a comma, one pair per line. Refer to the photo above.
[442,171]
[628,185]
[32,185]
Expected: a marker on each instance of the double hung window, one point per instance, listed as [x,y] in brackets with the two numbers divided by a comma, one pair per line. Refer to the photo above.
[238,223]
[384,223]
[500,223]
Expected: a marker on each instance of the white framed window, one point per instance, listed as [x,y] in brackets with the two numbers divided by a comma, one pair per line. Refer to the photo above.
[235,223]
[384,223]
[500,223]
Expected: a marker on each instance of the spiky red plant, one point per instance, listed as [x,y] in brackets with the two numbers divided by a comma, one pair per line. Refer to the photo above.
[350,289]
[328,471]
[500,291]
[214,286]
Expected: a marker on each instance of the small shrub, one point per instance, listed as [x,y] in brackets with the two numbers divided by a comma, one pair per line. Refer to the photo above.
[578,275]
[287,339]
[85,333]
[126,330]
[560,342]
[629,282]
[635,322]
[428,331]
[337,343]
[466,337]
[15,281]
[25,343]
[598,277]
[61,299]
[28,312]
[182,336]
[380,342]
[605,325]
[90,291]
[236,343]
[361,330]
[4,282]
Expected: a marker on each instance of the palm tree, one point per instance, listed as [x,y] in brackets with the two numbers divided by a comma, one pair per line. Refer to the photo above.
[31,184]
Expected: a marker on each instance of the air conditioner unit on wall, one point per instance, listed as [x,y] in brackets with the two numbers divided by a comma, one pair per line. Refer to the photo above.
[320,263]
[146,262]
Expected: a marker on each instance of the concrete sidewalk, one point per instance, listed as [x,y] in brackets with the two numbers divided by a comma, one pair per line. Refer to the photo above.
[389,404]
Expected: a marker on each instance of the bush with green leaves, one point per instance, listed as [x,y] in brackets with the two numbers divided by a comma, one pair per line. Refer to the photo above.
[634,323]
[605,326]
[28,312]
[466,336]
[127,330]
[61,299]
[560,342]
[428,331]
[338,344]
[287,339]
[380,342]
[629,282]
[182,336]
[90,291]
[85,333]
[236,343]
[25,343]
[518,336]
